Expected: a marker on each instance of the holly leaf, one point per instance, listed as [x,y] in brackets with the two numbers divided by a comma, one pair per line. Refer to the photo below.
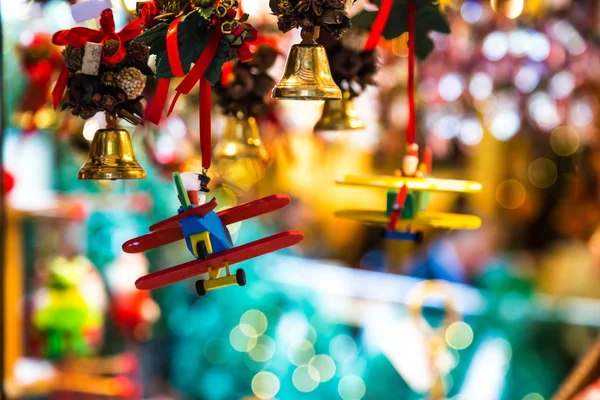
[213,71]
[163,67]
[432,20]
[423,46]
[364,19]
[153,34]
[238,41]
[244,17]
[397,24]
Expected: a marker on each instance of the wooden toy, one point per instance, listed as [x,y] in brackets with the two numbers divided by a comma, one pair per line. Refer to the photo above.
[208,239]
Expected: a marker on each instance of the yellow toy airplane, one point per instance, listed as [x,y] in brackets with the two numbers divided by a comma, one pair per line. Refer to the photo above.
[407,199]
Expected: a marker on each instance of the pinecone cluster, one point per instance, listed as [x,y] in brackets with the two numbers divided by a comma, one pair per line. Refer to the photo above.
[246,92]
[117,89]
[307,14]
[352,68]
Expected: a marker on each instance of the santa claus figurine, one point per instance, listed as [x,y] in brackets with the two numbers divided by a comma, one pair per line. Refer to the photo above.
[196,186]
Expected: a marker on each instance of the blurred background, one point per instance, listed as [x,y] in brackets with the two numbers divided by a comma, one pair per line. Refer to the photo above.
[509,99]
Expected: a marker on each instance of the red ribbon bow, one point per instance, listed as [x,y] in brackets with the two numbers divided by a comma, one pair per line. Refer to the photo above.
[79,36]
[195,75]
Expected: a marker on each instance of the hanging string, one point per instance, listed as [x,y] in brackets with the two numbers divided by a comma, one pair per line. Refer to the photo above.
[411,126]
[205,123]
[411,130]
[379,24]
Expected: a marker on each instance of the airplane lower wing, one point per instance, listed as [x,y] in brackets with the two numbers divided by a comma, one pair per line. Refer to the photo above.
[428,218]
[153,240]
[232,256]
[253,208]
[417,184]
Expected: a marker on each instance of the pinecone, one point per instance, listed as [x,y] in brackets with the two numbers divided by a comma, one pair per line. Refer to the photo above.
[111,47]
[352,69]
[138,52]
[73,57]
[132,81]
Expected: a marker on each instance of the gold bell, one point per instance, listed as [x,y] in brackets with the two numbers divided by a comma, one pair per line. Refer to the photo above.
[307,75]
[111,157]
[339,115]
[241,140]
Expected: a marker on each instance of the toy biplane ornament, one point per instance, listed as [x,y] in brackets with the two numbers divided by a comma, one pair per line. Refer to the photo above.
[207,237]
[408,197]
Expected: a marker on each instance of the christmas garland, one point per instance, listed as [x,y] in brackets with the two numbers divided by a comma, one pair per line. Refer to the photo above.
[308,14]
[352,67]
[391,22]
[178,27]
[104,70]
[244,90]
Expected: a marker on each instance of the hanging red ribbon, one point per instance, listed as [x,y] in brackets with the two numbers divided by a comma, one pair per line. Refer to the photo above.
[197,71]
[79,36]
[205,123]
[173,48]
[411,129]
[60,86]
[379,24]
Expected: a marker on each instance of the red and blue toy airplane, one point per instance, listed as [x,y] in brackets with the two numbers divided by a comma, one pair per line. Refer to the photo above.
[208,239]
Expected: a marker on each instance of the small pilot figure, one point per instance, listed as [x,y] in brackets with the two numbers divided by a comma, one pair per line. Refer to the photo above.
[410,162]
[196,186]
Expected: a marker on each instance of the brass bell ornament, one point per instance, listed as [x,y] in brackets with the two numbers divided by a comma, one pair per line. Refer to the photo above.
[111,155]
[307,75]
[241,140]
[339,115]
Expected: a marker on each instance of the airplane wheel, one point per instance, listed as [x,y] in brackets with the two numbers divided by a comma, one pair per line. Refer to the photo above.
[202,251]
[200,288]
[240,277]
[419,236]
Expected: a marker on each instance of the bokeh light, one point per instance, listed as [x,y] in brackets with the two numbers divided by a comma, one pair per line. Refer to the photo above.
[459,335]
[510,8]
[495,46]
[90,128]
[253,323]
[450,87]
[542,172]
[264,349]
[562,84]
[306,378]
[265,385]
[564,141]
[481,86]
[240,341]
[511,194]
[352,387]
[527,79]
[301,353]
[543,110]
[471,11]
[533,396]
[471,132]
[342,348]
[325,367]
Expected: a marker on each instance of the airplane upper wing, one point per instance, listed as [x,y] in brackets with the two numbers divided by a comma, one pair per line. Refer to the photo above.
[417,184]
[199,211]
[232,256]
[428,218]
[253,208]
